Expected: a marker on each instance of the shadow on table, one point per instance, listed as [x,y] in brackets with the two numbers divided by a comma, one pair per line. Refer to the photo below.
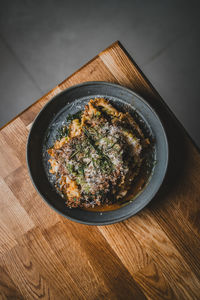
[178,150]
[177,139]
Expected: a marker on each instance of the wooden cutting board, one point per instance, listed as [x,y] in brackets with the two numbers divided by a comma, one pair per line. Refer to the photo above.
[153,255]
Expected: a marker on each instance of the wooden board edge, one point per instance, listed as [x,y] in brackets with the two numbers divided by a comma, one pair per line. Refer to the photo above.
[155,92]
[113,45]
[57,86]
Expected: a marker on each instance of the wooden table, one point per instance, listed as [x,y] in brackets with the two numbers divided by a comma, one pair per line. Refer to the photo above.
[153,255]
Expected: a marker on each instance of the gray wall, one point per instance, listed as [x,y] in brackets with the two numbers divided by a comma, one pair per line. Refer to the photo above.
[42,42]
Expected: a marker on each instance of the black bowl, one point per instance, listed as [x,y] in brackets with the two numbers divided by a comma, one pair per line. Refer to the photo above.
[45,128]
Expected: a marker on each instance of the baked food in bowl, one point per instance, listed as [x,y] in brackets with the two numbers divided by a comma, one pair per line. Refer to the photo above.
[111,161]
[99,157]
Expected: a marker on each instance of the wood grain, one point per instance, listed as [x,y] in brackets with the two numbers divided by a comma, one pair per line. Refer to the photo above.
[153,255]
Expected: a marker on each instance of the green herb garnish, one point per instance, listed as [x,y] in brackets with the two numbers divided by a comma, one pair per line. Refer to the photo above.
[73,154]
[62,132]
[74,116]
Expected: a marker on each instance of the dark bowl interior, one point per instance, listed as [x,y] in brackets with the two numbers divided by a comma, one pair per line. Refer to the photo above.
[44,131]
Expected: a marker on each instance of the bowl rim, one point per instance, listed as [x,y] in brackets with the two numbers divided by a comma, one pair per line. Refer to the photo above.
[165,167]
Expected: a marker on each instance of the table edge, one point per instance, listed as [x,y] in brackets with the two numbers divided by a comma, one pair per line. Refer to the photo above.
[114,44]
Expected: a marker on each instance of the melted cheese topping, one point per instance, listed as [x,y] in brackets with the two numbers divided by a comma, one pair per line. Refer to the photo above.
[100,157]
